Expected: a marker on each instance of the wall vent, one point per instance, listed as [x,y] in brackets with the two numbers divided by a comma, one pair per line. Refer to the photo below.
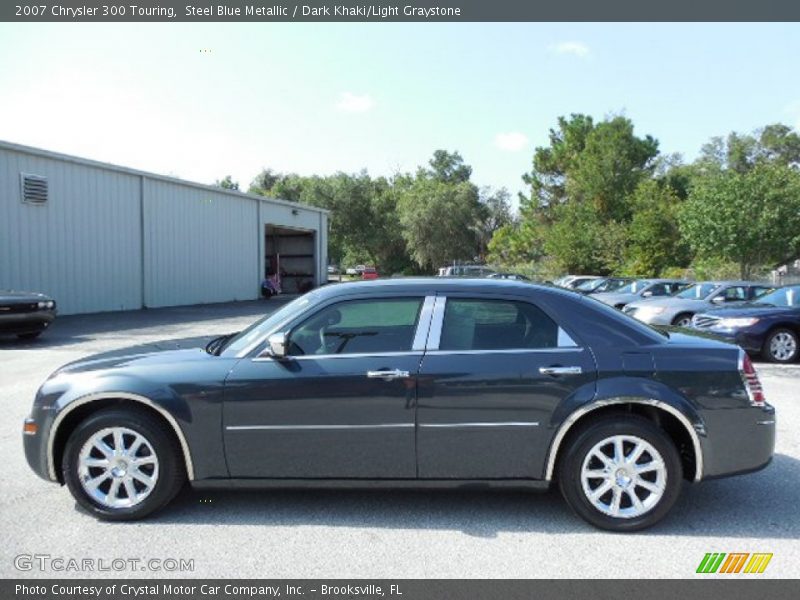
[34,188]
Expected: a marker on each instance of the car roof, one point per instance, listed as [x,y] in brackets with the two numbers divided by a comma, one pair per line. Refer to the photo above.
[731,282]
[434,284]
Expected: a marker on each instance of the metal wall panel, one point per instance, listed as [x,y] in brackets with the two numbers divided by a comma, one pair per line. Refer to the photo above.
[80,247]
[200,246]
[112,238]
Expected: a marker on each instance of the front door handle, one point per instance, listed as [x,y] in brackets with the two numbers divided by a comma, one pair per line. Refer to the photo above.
[387,374]
[560,370]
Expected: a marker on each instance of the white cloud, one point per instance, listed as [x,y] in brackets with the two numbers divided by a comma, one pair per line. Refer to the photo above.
[578,49]
[355,103]
[512,141]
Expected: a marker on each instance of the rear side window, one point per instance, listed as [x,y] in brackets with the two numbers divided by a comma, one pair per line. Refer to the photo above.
[472,324]
[358,327]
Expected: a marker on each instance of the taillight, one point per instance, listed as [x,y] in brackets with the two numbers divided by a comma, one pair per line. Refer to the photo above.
[750,378]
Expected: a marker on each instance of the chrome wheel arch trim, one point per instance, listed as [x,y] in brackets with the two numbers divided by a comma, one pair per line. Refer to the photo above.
[51,466]
[583,410]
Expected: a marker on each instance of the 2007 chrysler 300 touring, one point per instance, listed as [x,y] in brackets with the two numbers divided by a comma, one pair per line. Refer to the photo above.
[412,382]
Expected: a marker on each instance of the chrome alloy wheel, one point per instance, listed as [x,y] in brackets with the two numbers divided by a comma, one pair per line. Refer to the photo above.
[783,346]
[623,476]
[117,467]
[684,322]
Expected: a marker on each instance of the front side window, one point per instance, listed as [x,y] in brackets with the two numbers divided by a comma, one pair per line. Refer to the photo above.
[698,291]
[735,294]
[471,324]
[358,327]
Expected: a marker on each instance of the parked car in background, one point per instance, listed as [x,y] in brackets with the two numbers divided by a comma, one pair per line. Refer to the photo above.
[333,270]
[467,271]
[769,325]
[639,289]
[679,309]
[578,280]
[511,276]
[25,314]
[603,284]
[563,281]
[369,273]
[399,383]
[357,270]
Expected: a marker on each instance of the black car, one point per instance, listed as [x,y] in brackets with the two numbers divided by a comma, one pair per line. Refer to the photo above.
[25,314]
[769,326]
[411,383]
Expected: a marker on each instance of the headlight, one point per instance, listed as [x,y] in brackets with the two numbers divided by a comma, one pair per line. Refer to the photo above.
[736,322]
[45,304]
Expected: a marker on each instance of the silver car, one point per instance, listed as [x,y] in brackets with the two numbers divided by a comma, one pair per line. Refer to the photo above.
[640,289]
[699,297]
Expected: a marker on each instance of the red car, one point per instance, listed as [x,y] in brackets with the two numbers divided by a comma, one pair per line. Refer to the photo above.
[369,273]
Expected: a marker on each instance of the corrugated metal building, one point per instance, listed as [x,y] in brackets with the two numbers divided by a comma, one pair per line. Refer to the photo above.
[99,237]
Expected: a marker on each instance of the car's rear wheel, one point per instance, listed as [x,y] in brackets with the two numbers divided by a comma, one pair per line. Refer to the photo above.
[621,473]
[122,464]
[682,320]
[782,346]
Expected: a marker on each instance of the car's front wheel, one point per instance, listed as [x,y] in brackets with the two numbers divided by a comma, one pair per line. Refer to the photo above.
[682,320]
[122,464]
[621,473]
[782,346]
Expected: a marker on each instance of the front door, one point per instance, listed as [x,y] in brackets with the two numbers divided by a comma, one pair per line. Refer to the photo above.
[341,405]
[494,373]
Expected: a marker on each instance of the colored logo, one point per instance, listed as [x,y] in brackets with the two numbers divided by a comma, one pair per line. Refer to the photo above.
[735,562]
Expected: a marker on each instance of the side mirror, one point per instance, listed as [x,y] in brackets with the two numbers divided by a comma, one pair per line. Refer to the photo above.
[718,299]
[277,344]
[647,294]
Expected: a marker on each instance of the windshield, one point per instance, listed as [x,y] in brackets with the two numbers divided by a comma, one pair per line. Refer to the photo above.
[788,296]
[634,287]
[698,291]
[592,284]
[258,330]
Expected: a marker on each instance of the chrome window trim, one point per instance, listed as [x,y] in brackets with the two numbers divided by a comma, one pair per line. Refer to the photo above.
[508,351]
[51,467]
[316,427]
[580,412]
[265,358]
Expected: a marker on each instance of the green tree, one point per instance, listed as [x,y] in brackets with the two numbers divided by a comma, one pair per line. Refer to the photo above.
[494,214]
[750,218]
[227,183]
[654,241]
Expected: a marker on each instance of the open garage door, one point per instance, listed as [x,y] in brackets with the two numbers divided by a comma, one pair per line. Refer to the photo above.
[290,253]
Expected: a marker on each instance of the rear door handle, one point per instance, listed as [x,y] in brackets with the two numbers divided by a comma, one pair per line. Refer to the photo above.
[560,370]
[387,374]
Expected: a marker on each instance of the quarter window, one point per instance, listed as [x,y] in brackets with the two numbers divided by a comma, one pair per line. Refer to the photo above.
[471,324]
[358,327]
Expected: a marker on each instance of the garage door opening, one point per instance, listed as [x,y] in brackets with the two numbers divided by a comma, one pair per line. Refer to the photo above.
[290,256]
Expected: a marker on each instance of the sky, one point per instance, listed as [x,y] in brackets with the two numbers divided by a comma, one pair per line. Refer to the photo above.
[201,101]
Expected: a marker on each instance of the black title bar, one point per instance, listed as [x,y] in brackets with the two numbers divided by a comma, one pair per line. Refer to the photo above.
[445,10]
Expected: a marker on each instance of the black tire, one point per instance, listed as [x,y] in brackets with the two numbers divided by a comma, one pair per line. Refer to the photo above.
[171,470]
[771,353]
[580,446]
[686,318]
[30,335]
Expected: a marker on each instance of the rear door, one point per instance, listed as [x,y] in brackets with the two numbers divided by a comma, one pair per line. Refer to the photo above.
[493,373]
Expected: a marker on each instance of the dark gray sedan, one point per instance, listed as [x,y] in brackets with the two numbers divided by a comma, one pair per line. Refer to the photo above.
[411,383]
[25,314]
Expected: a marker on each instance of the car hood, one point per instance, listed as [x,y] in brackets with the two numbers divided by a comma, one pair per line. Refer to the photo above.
[168,352]
[615,298]
[753,310]
[676,303]
[17,296]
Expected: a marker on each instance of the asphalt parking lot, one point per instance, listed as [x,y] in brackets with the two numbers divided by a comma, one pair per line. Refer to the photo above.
[385,534]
